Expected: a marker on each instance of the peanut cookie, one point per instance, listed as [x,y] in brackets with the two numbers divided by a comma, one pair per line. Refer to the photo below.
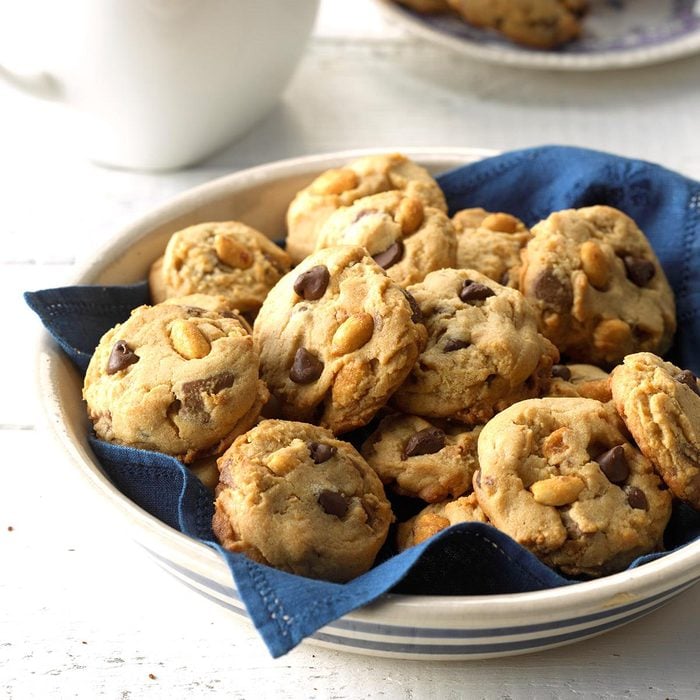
[539,24]
[336,338]
[597,285]
[559,476]
[224,258]
[660,404]
[586,381]
[294,497]
[436,518]
[404,237]
[416,458]
[484,351]
[175,379]
[490,243]
[340,187]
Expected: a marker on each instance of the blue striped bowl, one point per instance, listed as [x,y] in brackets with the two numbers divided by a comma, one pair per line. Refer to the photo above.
[425,627]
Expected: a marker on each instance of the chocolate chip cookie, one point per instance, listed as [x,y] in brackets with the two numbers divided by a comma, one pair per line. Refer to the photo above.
[484,351]
[490,243]
[179,380]
[417,458]
[340,187]
[598,286]
[404,237]
[559,476]
[336,338]
[587,381]
[660,404]
[293,496]
[436,518]
[539,24]
[224,258]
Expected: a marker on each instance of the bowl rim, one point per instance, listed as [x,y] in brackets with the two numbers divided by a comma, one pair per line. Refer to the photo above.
[681,566]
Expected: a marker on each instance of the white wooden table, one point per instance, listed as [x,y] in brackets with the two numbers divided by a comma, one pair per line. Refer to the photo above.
[83,613]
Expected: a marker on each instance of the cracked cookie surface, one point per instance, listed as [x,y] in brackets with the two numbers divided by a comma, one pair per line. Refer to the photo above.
[598,286]
[336,338]
[176,379]
[293,496]
[559,476]
[484,351]
[406,239]
[340,187]
[660,404]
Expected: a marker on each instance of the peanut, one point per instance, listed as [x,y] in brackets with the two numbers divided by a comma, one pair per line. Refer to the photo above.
[557,490]
[352,334]
[231,252]
[612,336]
[335,181]
[282,462]
[188,340]
[505,223]
[595,264]
[409,215]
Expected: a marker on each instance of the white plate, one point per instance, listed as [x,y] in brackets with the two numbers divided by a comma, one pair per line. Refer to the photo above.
[405,626]
[616,34]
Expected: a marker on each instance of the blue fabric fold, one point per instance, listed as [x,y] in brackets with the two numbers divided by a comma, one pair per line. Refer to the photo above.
[467,559]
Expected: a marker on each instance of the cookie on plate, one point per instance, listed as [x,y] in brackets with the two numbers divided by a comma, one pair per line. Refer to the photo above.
[598,286]
[336,338]
[559,476]
[405,238]
[484,350]
[436,518]
[293,496]
[225,258]
[416,458]
[174,381]
[586,381]
[539,24]
[660,404]
[490,243]
[340,187]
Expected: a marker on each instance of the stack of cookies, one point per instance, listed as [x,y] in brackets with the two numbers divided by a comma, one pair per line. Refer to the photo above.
[478,369]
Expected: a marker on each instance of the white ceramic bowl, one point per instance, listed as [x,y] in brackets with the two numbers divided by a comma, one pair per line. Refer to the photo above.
[435,627]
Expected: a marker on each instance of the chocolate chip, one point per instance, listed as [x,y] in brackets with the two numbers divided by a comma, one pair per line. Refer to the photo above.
[424,442]
[505,277]
[121,357]
[320,452]
[639,270]
[613,464]
[306,368]
[333,503]
[416,313]
[551,290]
[636,498]
[689,379]
[561,372]
[192,392]
[312,284]
[473,291]
[390,256]
[455,344]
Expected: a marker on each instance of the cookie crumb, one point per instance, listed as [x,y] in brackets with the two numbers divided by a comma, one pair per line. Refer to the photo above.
[10,528]
[152,676]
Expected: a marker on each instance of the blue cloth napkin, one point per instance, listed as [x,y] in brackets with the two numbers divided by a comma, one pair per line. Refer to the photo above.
[469,558]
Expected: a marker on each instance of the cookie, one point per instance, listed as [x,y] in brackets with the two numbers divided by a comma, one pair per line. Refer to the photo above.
[336,338]
[539,24]
[490,243]
[438,517]
[225,258]
[586,381]
[598,286]
[404,237]
[416,458]
[178,380]
[294,497]
[484,351]
[340,187]
[559,476]
[660,404]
